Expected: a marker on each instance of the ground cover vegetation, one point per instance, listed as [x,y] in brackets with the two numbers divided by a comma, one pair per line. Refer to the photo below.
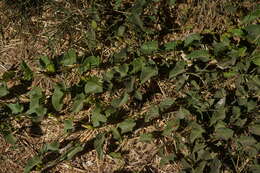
[130,86]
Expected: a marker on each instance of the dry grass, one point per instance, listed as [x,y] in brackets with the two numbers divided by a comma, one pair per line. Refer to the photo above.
[54,27]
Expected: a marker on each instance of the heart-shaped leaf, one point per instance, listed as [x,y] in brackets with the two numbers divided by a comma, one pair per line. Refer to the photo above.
[31,163]
[255,129]
[118,102]
[78,103]
[192,38]
[93,86]
[89,63]
[152,113]
[147,73]
[68,126]
[224,133]
[149,47]
[99,144]
[178,69]
[69,58]
[127,125]
[74,151]
[57,98]
[10,138]
[16,108]
[27,72]
[202,55]
[196,131]
[3,90]
[97,116]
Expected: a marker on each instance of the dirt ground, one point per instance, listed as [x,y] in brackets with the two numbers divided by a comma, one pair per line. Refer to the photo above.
[45,31]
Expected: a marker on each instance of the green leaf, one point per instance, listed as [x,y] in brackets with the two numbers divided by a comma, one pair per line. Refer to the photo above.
[115,155]
[10,138]
[196,131]
[166,104]
[183,113]
[147,137]
[255,129]
[93,86]
[256,59]
[57,98]
[53,146]
[36,97]
[3,90]
[224,133]
[91,39]
[255,168]
[138,95]
[230,74]
[192,38]
[219,114]
[118,102]
[181,81]
[237,32]
[171,125]
[122,70]
[68,126]
[97,117]
[78,103]
[69,58]
[147,73]
[137,65]
[152,113]
[246,140]
[31,163]
[27,72]
[220,47]
[116,134]
[129,84]
[121,31]
[120,56]
[127,125]
[47,64]
[251,17]
[135,19]
[178,69]
[202,55]
[171,45]
[253,33]
[99,144]
[215,166]
[89,63]
[200,167]
[149,47]
[16,108]
[74,151]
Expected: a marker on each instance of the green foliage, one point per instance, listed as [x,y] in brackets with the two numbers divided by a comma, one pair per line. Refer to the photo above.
[149,47]
[31,163]
[3,90]
[99,144]
[78,103]
[93,86]
[69,58]
[36,106]
[16,108]
[68,126]
[118,102]
[207,99]
[127,125]
[57,98]
[97,117]
[47,64]
[27,72]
